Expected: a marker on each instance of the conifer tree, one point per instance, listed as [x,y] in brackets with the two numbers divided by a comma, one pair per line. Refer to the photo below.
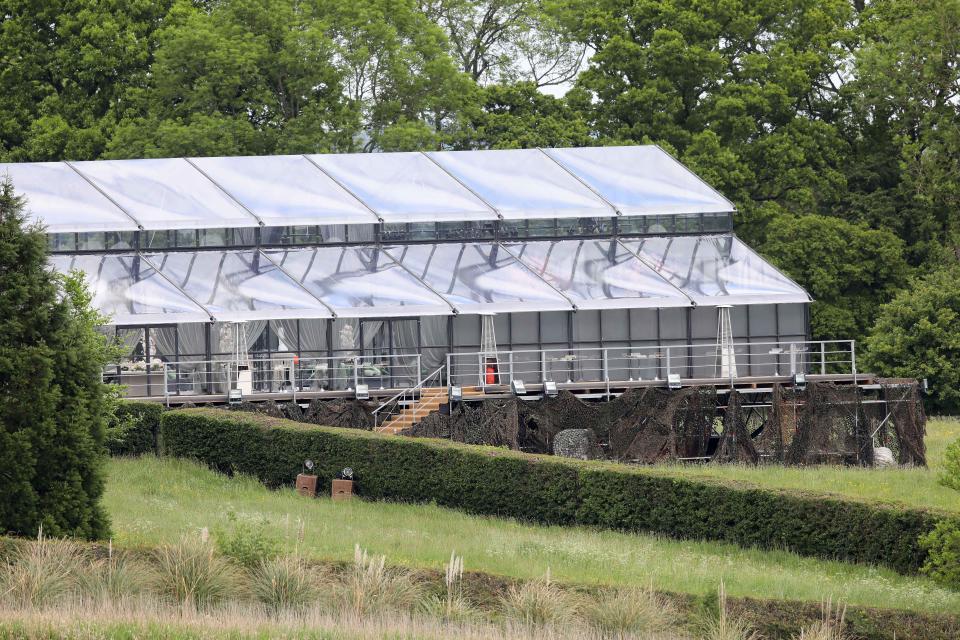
[53,405]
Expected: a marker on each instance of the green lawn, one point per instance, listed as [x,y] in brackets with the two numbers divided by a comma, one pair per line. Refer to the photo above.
[153,501]
[912,487]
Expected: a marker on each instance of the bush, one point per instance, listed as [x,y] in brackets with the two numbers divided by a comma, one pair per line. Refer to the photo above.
[370,587]
[134,429]
[41,572]
[950,477]
[550,490]
[943,548]
[249,543]
[284,584]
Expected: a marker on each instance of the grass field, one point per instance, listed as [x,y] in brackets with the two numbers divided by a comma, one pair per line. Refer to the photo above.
[153,501]
[912,487]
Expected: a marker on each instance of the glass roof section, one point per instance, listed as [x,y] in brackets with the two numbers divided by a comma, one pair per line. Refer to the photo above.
[717,270]
[479,278]
[130,291]
[523,183]
[641,180]
[238,285]
[360,282]
[598,274]
[62,200]
[404,187]
[166,194]
[285,190]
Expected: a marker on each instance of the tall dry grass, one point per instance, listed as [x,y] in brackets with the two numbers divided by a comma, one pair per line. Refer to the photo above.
[192,575]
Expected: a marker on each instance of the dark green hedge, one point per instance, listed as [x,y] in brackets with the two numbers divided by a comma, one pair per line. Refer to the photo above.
[135,429]
[552,490]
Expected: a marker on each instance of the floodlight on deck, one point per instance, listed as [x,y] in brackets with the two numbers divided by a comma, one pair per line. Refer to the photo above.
[517,387]
[673,381]
[363,392]
[550,389]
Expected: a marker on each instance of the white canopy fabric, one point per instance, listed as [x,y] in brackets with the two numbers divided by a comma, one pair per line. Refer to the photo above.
[523,184]
[717,270]
[166,194]
[360,282]
[479,278]
[285,190]
[429,279]
[406,187]
[130,291]
[63,200]
[238,285]
[598,274]
[641,180]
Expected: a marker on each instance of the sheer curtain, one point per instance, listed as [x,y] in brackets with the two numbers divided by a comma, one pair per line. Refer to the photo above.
[313,335]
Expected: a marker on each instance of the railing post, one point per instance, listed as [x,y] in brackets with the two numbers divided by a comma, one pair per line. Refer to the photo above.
[356,373]
[511,367]
[668,363]
[823,358]
[543,366]
[166,386]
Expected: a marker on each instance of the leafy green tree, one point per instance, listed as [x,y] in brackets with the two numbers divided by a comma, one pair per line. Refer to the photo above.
[53,405]
[917,335]
[904,104]
[943,549]
[518,116]
[65,67]
[951,467]
[847,268]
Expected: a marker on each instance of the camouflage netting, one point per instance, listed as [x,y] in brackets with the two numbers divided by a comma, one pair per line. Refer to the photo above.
[735,444]
[577,443]
[653,424]
[831,428]
[904,429]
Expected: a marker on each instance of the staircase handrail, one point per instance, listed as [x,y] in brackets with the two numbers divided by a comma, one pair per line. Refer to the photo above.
[410,391]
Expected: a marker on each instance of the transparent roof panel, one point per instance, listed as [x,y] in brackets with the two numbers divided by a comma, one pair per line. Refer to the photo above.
[523,183]
[166,194]
[641,180]
[479,278]
[285,190]
[404,187]
[717,270]
[130,291]
[238,285]
[598,274]
[360,281]
[64,201]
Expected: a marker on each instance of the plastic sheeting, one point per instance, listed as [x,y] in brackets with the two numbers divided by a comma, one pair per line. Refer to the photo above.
[130,291]
[166,194]
[598,274]
[641,180]
[238,285]
[404,187]
[360,282]
[523,184]
[479,278]
[717,270]
[285,190]
[65,202]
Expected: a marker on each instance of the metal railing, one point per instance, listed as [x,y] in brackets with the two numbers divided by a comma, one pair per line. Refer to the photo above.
[408,398]
[652,363]
[282,373]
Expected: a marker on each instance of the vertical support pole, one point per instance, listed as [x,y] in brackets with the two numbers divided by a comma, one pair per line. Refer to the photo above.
[853,360]
[356,372]
[823,358]
[146,355]
[668,363]
[511,367]
[606,372]
[166,388]
[543,366]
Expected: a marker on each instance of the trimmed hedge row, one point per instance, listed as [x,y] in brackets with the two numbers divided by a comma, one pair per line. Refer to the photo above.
[135,429]
[552,490]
